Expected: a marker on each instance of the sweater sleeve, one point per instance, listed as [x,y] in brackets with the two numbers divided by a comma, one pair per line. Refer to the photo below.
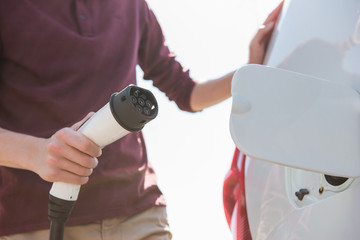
[160,65]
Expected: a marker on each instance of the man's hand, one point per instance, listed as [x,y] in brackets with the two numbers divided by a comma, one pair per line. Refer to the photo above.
[259,43]
[67,156]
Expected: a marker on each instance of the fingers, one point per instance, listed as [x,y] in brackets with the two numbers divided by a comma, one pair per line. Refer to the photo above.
[267,27]
[60,149]
[259,43]
[73,179]
[265,30]
[262,37]
[76,140]
[274,15]
[77,125]
[69,156]
[58,175]
[64,165]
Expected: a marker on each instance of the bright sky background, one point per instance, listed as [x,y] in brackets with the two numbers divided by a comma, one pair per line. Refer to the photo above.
[191,153]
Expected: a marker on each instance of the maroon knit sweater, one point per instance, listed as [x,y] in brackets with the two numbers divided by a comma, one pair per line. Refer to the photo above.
[59,61]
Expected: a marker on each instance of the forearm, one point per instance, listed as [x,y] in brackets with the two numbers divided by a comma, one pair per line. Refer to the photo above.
[18,150]
[67,156]
[211,92]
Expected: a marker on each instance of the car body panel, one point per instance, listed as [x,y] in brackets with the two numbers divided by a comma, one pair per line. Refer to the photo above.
[318,38]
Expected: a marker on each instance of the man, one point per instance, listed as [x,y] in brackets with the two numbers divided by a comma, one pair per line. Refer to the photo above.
[61,60]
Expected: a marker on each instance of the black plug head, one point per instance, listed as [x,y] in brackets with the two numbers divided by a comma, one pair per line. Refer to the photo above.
[133,107]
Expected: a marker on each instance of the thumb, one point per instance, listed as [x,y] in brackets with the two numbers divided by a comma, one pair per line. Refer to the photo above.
[264,33]
[267,27]
[77,125]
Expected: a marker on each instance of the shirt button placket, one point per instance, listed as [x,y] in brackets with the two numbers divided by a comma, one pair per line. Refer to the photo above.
[83,18]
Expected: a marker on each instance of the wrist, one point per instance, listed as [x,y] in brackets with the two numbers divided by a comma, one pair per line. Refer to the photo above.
[18,150]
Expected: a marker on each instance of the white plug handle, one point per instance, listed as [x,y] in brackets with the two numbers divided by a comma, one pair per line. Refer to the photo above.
[102,129]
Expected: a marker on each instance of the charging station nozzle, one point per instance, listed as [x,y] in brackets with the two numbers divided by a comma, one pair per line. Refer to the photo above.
[127,111]
[133,107]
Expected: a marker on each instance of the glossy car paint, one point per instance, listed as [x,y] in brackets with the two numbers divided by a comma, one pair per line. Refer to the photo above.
[318,38]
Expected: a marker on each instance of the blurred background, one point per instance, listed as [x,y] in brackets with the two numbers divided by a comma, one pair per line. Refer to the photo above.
[192,152]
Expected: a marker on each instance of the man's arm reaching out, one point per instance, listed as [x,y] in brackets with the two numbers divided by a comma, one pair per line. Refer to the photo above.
[211,92]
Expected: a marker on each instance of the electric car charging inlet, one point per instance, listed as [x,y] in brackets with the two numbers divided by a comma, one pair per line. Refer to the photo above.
[127,111]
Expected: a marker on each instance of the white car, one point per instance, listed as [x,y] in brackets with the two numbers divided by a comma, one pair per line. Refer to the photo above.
[296,125]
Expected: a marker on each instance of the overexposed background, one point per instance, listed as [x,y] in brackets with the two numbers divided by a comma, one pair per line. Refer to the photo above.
[192,152]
